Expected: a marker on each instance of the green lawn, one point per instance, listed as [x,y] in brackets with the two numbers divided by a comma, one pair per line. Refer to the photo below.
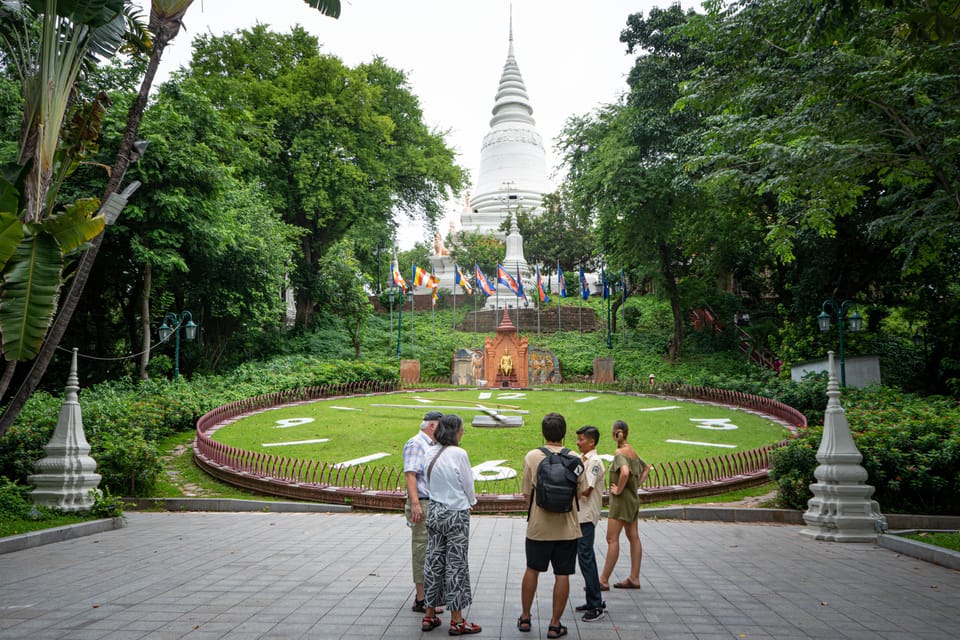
[945,540]
[346,429]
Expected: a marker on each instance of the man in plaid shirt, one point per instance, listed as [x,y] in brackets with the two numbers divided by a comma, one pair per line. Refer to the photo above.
[418,497]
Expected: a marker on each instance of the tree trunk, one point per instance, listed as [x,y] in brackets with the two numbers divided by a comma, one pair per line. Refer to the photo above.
[62,321]
[673,292]
[145,320]
[7,376]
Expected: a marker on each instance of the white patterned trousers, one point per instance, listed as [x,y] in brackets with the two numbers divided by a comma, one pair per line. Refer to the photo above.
[446,573]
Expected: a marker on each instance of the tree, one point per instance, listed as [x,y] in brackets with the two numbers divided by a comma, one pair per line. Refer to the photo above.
[345,292]
[560,234]
[343,148]
[626,163]
[71,29]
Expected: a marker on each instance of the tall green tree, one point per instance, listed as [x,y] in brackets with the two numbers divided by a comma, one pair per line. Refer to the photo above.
[342,147]
[345,290]
[626,162]
[71,31]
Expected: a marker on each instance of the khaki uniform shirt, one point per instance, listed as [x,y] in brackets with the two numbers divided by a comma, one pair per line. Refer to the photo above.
[590,506]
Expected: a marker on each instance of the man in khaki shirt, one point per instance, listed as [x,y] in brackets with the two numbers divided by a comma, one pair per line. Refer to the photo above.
[551,537]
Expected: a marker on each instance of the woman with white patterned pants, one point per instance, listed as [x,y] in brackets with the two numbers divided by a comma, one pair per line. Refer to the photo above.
[446,572]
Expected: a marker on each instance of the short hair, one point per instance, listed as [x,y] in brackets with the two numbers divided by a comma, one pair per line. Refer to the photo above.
[591,432]
[553,427]
[447,430]
[620,425]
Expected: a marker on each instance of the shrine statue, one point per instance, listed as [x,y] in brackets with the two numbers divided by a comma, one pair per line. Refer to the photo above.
[506,364]
[438,248]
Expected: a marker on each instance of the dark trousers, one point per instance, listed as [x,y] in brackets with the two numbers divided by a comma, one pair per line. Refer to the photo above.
[588,565]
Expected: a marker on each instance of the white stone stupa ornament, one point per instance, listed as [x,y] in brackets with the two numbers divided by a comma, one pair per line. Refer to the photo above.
[513,168]
[841,509]
[65,477]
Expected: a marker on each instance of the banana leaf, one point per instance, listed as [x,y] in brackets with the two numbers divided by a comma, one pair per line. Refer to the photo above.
[31,281]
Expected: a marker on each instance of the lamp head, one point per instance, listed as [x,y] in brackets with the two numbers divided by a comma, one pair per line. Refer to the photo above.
[823,320]
[856,322]
[164,331]
[190,330]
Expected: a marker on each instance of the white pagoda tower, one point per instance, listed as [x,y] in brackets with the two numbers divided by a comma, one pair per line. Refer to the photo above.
[513,168]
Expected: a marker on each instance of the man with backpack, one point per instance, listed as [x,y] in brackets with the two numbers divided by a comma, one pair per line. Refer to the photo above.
[552,479]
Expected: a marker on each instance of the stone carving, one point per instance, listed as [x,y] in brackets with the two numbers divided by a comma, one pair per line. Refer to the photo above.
[523,136]
[438,248]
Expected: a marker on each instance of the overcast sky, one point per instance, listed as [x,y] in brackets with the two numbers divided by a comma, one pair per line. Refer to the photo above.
[453,52]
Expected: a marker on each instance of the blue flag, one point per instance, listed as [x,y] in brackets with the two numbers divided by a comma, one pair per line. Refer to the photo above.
[561,282]
[584,287]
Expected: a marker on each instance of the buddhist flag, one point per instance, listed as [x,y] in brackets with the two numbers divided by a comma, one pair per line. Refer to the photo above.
[398,280]
[421,278]
[543,294]
[460,279]
[584,287]
[436,294]
[483,283]
[561,283]
[507,280]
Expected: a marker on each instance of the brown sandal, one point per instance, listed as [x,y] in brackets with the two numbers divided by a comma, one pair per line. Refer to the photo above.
[429,623]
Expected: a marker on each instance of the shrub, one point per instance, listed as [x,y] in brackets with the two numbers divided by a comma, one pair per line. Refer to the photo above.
[128,463]
[14,503]
[910,447]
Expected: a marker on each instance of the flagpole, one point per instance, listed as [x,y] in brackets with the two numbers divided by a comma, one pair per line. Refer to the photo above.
[559,295]
[453,326]
[583,281]
[475,296]
[413,304]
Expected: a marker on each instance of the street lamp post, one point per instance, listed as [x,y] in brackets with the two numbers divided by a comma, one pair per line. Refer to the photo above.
[166,330]
[840,310]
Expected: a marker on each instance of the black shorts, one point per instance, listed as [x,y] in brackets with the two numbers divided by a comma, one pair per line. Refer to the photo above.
[562,554]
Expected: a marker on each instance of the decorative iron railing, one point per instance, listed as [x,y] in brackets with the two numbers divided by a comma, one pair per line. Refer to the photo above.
[381,487]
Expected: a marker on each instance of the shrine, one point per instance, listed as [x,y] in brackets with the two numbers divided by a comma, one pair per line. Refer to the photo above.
[505,357]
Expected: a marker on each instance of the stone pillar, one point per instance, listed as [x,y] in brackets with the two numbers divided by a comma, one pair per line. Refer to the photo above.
[65,477]
[410,371]
[841,509]
[603,370]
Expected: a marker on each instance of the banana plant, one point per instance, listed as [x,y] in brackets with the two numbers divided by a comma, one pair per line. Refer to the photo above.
[37,233]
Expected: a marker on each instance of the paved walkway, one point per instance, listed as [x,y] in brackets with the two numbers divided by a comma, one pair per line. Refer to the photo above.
[242,576]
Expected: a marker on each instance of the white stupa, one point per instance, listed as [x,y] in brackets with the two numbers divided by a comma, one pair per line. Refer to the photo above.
[513,167]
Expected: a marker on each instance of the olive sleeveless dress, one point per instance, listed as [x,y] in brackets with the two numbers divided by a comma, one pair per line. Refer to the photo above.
[626,505]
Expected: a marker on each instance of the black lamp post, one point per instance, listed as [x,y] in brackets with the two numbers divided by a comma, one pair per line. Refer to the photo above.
[840,310]
[189,332]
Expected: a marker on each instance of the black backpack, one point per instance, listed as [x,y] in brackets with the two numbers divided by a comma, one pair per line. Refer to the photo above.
[557,476]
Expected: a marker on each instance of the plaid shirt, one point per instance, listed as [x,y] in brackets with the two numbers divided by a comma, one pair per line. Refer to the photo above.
[414,453]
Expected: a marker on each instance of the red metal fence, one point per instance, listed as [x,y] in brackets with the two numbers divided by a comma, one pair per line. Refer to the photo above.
[381,487]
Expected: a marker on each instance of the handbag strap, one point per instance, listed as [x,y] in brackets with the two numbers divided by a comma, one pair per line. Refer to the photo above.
[433,462]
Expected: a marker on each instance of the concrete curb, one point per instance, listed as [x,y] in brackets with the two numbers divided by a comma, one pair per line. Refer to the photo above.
[59,534]
[725,514]
[920,550]
[231,504]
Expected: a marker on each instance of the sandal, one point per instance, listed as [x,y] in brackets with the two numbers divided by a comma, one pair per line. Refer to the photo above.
[420,606]
[556,632]
[429,624]
[523,624]
[463,628]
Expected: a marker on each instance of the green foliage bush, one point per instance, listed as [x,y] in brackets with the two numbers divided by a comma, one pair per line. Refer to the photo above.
[910,447]
[124,419]
[14,503]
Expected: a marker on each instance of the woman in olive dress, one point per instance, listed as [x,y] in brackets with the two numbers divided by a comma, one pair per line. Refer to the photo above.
[627,473]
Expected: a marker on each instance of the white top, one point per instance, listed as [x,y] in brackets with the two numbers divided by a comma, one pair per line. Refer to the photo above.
[451,479]
[591,505]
